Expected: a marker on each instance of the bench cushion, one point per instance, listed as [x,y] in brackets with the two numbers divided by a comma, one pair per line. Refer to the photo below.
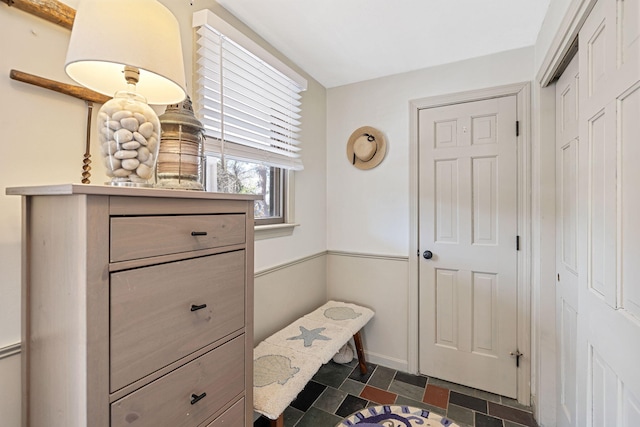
[279,374]
[287,360]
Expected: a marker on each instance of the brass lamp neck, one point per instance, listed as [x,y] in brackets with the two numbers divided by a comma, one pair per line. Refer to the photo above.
[131,74]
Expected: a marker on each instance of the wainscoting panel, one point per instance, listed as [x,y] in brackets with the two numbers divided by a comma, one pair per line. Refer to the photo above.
[10,389]
[286,292]
[381,283]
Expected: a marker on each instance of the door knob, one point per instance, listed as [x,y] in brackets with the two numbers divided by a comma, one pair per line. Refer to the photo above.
[427,254]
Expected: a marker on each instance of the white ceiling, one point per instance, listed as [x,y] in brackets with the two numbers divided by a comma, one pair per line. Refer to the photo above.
[345,41]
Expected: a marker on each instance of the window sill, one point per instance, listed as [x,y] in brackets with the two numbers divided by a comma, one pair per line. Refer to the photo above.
[263,232]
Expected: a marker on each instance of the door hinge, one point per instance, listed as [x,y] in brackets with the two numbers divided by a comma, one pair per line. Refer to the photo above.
[517,355]
[517,243]
[418,253]
[517,127]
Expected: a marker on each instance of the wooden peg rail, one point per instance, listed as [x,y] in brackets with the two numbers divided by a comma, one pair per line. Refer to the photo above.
[51,10]
[67,89]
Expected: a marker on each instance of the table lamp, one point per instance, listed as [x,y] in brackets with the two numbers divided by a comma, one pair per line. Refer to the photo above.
[131,50]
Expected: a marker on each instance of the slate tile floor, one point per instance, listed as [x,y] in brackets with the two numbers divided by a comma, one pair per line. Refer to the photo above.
[337,391]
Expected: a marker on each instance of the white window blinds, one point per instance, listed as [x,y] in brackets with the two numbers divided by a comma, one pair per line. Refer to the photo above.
[247,100]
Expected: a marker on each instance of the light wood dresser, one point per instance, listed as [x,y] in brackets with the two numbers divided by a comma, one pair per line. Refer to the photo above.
[137,307]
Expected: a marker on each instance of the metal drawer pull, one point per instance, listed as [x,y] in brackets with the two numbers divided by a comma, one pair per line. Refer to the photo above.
[195,398]
[198,233]
[198,307]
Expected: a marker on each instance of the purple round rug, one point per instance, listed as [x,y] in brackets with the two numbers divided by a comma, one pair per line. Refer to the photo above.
[395,416]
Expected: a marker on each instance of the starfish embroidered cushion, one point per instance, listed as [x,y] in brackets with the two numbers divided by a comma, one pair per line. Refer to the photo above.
[322,340]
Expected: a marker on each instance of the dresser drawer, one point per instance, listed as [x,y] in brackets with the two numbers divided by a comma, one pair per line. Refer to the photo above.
[147,236]
[167,401]
[158,313]
[232,417]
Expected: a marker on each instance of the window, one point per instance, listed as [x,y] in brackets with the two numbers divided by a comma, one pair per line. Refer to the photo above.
[235,176]
[249,103]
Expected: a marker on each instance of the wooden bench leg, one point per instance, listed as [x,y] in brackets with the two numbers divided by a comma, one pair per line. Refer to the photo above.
[360,351]
[278,422]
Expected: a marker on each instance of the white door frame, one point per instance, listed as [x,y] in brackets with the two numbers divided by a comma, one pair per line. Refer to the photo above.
[523,114]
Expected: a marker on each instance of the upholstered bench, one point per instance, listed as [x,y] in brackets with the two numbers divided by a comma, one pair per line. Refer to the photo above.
[285,362]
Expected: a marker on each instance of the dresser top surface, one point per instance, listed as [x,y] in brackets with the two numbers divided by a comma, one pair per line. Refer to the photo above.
[107,190]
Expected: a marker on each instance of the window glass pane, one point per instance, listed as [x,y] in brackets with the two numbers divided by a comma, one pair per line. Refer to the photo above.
[235,176]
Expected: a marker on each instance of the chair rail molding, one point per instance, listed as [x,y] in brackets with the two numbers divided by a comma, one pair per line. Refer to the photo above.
[10,350]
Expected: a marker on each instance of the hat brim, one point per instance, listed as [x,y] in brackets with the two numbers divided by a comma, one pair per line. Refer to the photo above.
[381,150]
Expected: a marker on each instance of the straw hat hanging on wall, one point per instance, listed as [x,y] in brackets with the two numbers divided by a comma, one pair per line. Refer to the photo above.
[366,148]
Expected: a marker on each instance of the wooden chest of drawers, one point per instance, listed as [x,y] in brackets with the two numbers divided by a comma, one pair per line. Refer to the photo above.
[137,307]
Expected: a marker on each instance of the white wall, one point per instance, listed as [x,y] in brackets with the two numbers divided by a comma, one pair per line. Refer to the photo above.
[550,24]
[43,138]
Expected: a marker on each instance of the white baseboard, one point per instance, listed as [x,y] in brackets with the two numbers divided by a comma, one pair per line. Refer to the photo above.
[387,362]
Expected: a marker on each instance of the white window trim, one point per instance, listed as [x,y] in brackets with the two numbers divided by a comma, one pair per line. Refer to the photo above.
[270,231]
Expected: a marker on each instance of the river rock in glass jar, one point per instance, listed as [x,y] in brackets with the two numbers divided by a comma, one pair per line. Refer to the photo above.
[128,130]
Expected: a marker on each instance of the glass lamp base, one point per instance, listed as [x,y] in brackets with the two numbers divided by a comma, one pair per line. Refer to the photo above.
[129,132]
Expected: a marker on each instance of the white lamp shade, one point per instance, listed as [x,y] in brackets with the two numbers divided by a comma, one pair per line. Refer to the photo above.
[109,34]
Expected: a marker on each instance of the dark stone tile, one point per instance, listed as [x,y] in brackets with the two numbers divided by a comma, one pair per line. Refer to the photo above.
[450,385]
[437,396]
[511,424]
[512,414]
[461,416]
[308,395]
[315,417]
[407,390]
[332,374]
[382,377]
[489,397]
[480,394]
[353,363]
[506,401]
[352,387]
[292,416]
[379,396]
[350,405]
[417,380]
[401,400]
[357,376]
[330,399]
[483,420]
[261,422]
[470,402]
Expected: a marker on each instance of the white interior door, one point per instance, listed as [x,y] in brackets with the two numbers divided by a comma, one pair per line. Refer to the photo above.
[468,221]
[608,334]
[567,189]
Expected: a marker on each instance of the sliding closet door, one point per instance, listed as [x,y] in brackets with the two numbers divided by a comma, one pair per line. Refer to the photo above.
[608,331]
[567,190]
